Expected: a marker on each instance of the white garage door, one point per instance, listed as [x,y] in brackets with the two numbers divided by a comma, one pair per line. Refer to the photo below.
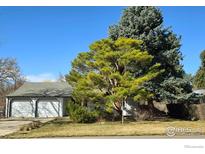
[22,108]
[49,108]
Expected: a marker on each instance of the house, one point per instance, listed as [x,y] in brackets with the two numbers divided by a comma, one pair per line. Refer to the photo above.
[199,91]
[40,99]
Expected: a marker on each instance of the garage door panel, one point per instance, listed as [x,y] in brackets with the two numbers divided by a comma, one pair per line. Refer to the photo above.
[49,108]
[22,108]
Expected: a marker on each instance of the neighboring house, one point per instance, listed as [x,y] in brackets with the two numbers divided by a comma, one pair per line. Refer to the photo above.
[199,91]
[40,99]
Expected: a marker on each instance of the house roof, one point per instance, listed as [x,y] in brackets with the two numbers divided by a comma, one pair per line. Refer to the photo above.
[43,89]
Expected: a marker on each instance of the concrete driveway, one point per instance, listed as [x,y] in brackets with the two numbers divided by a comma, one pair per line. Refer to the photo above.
[7,126]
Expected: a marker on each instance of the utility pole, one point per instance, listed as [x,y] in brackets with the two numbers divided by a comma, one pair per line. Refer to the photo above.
[122,109]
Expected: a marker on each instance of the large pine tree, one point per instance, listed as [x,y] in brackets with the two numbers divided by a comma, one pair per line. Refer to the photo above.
[146,23]
[199,79]
[111,72]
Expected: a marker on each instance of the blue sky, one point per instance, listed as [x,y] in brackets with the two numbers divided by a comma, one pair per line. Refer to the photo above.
[45,40]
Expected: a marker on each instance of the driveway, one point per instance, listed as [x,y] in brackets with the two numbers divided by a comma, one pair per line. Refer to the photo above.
[8,126]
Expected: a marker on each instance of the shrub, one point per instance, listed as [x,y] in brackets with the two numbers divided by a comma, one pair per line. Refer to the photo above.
[81,114]
[30,126]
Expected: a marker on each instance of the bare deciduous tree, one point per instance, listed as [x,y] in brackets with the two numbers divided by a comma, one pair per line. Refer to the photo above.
[10,78]
[61,78]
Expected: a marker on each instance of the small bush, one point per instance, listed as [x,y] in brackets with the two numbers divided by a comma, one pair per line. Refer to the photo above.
[33,125]
[81,114]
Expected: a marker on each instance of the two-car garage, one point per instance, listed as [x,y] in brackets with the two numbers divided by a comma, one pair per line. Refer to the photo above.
[38,100]
[45,107]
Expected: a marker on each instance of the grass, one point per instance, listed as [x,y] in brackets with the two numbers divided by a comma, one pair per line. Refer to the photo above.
[66,128]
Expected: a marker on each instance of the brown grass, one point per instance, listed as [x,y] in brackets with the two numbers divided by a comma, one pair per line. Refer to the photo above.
[65,128]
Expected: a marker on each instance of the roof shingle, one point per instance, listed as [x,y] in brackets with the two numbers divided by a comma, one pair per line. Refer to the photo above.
[43,89]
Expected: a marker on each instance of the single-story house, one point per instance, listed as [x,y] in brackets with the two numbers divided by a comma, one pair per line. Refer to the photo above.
[39,99]
[199,91]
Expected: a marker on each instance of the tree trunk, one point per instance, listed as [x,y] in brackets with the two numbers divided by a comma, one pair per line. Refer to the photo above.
[150,104]
[117,107]
[151,107]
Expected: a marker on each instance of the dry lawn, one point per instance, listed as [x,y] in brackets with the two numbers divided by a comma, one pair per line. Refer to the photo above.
[65,128]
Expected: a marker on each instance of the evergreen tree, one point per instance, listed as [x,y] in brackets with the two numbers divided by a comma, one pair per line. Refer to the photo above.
[199,79]
[111,72]
[146,23]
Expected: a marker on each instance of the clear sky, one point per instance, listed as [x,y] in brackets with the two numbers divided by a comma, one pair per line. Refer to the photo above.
[45,40]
